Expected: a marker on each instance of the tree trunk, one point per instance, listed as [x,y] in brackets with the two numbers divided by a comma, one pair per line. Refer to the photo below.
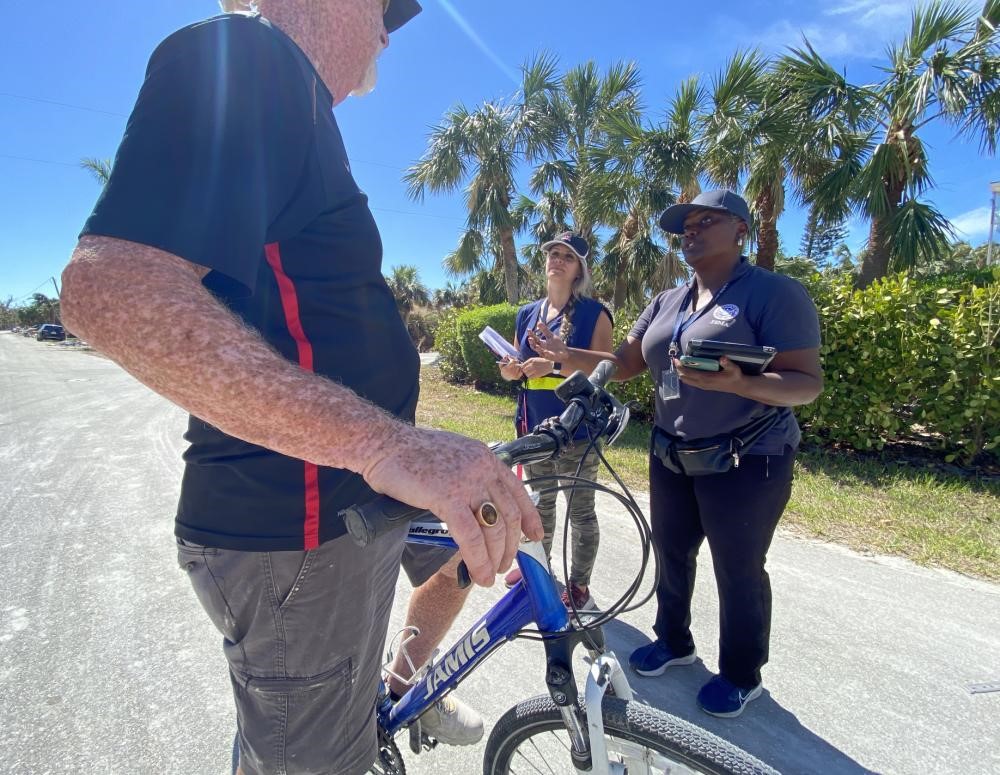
[621,287]
[875,258]
[767,232]
[629,232]
[509,255]
[875,261]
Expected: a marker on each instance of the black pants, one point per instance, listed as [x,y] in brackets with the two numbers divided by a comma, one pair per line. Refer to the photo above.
[738,512]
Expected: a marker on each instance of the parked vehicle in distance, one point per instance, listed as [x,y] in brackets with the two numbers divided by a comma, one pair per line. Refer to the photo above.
[50,331]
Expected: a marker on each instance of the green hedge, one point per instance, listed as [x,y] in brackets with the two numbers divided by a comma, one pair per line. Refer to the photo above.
[447,344]
[902,359]
[639,390]
[464,358]
[479,362]
[908,358]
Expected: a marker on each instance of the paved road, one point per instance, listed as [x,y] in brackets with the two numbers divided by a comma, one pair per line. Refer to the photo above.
[108,666]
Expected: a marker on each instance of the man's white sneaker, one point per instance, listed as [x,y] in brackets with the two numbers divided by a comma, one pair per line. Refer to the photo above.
[452,722]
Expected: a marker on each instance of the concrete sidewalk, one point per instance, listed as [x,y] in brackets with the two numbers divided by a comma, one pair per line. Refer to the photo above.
[108,665]
[871,662]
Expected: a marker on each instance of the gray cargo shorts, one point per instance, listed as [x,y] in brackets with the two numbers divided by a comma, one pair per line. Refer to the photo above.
[303,633]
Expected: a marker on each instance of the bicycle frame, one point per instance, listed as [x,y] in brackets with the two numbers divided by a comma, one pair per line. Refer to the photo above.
[534,600]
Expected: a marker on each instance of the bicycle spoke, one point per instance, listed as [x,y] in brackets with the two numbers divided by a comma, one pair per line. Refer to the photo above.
[532,742]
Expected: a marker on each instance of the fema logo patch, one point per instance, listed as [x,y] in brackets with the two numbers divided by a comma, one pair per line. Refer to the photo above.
[726,313]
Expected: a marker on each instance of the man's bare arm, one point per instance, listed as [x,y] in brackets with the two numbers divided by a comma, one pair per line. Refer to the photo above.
[175,337]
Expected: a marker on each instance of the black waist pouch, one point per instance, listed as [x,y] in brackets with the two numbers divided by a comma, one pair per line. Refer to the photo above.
[713,455]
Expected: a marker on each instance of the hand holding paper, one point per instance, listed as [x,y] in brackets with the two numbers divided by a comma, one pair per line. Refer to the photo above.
[500,346]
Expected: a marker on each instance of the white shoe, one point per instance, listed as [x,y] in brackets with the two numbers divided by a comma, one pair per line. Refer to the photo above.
[452,722]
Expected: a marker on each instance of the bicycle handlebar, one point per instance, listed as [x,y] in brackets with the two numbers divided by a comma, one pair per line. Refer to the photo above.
[583,397]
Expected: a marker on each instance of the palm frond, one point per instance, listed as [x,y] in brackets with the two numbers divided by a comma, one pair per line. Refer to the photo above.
[620,87]
[581,89]
[467,257]
[920,234]
[444,164]
[883,168]
[99,168]
[539,78]
[686,103]
[935,22]
[559,173]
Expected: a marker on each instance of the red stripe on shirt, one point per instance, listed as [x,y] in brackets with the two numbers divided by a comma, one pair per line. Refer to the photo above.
[290,305]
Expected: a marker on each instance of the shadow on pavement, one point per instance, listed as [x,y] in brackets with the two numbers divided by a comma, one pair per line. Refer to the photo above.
[768,731]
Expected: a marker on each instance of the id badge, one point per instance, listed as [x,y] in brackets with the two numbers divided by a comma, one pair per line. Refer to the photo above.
[670,384]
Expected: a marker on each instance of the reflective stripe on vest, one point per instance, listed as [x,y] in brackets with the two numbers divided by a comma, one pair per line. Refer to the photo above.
[544,383]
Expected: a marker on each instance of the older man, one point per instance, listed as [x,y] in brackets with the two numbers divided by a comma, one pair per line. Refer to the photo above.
[253,264]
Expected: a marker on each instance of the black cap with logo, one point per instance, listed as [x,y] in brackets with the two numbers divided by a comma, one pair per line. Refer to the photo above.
[730,202]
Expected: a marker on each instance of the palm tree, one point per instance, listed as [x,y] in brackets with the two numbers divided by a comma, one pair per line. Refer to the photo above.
[944,68]
[577,113]
[409,292]
[451,295]
[485,147]
[99,168]
[830,139]
[947,68]
[542,219]
[637,170]
[747,135]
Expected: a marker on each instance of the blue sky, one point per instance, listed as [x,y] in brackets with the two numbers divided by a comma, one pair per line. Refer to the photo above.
[68,79]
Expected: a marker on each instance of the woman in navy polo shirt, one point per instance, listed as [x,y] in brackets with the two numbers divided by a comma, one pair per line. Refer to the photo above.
[586,324]
[737,510]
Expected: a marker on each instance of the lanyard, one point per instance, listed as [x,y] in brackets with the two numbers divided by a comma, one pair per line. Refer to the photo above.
[681,325]
[543,312]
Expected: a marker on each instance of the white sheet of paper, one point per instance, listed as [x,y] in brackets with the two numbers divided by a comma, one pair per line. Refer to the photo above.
[498,344]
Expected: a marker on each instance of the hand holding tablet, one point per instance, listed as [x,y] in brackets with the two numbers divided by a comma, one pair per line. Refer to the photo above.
[751,358]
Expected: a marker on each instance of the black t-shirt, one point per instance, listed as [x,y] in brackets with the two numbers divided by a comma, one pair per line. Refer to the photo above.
[232,159]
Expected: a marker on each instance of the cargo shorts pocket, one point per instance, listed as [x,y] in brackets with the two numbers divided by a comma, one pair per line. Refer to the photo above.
[188,553]
[207,569]
[297,725]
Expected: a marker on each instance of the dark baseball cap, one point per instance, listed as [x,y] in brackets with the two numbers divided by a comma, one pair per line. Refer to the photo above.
[721,199]
[399,13]
[574,242]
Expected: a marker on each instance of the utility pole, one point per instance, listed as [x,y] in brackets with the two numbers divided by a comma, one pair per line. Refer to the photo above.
[59,315]
[995,188]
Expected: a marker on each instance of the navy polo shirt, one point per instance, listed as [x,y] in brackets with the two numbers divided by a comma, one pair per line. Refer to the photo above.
[232,160]
[756,307]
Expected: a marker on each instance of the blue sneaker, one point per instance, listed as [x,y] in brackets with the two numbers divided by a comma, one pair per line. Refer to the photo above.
[656,657]
[723,698]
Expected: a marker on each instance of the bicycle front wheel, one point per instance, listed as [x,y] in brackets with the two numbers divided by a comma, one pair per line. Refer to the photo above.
[531,737]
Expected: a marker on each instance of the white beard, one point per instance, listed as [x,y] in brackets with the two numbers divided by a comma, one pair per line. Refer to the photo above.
[368,81]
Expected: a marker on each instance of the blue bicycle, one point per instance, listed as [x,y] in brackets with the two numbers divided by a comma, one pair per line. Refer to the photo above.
[607,733]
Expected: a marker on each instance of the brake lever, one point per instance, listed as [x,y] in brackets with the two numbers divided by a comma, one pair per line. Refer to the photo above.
[463,577]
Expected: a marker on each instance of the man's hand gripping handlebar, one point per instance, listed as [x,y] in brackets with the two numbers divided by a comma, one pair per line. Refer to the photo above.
[451,472]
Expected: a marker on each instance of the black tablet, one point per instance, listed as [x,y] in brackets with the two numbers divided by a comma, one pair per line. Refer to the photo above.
[751,358]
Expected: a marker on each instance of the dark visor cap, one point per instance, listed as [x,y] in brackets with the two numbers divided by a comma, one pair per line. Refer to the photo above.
[730,202]
[574,242]
[399,13]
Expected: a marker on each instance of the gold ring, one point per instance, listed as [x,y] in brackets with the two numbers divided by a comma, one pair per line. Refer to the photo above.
[488,515]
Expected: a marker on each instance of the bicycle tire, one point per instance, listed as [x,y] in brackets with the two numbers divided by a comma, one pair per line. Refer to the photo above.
[626,725]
